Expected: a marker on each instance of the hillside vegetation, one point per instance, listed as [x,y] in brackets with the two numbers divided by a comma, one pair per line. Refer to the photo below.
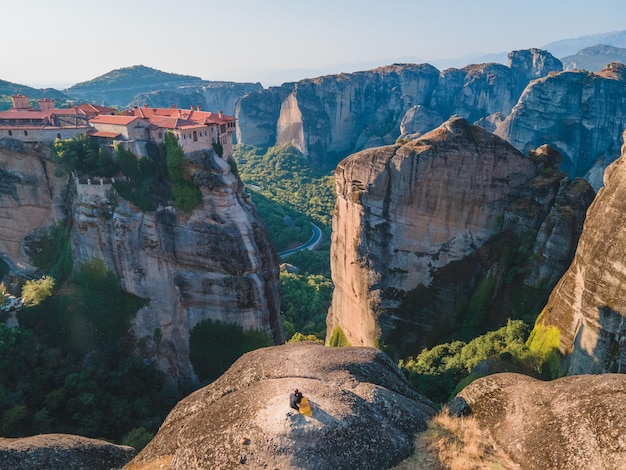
[289,193]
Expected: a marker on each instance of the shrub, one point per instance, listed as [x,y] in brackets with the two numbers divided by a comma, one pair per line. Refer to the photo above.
[36,291]
[543,344]
[298,337]
[138,438]
[338,339]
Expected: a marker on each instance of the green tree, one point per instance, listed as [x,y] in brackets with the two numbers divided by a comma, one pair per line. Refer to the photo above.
[36,291]
[83,155]
[214,346]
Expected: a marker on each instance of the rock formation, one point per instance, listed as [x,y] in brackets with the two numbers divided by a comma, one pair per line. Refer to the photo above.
[330,117]
[216,263]
[588,305]
[573,422]
[364,414]
[417,227]
[578,112]
[31,197]
[62,452]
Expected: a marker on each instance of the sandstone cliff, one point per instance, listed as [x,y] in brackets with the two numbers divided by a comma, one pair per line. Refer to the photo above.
[578,112]
[576,423]
[216,263]
[588,306]
[31,197]
[364,414]
[418,227]
[330,117]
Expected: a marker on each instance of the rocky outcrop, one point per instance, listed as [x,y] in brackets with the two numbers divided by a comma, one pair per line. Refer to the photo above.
[215,263]
[579,113]
[329,117]
[365,415]
[533,63]
[573,422]
[31,198]
[418,227]
[588,306]
[62,452]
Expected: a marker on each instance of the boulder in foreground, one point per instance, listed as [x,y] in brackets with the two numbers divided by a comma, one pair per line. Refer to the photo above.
[576,422]
[365,415]
[62,452]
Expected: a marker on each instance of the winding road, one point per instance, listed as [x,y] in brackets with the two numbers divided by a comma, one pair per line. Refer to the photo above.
[309,245]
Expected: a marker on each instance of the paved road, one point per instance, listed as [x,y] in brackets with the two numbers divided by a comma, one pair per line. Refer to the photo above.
[312,243]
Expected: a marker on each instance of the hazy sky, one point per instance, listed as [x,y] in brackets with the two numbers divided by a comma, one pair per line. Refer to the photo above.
[62,42]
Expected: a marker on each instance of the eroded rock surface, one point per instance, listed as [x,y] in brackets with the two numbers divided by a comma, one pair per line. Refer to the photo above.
[578,112]
[215,263]
[31,197]
[588,305]
[574,422]
[364,414]
[62,452]
[330,117]
[418,227]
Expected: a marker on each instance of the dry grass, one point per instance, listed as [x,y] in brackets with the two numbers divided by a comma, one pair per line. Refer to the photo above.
[456,444]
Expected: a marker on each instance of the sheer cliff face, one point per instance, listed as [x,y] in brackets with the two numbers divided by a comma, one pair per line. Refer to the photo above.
[405,214]
[31,197]
[580,113]
[330,117]
[216,263]
[588,305]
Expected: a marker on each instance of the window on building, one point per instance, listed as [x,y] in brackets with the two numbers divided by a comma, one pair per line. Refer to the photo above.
[195,136]
[10,132]
[25,132]
[160,135]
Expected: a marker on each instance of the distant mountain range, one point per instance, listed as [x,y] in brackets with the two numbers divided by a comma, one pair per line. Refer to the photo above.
[566,47]
[121,85]
[594,58]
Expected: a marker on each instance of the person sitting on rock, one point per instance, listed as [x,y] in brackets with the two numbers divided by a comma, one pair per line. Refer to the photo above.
[294,399]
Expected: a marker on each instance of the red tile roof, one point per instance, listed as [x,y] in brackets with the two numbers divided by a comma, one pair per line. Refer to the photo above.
[202,117]
[175,123]
[108,135]
[94,109]
[118,120]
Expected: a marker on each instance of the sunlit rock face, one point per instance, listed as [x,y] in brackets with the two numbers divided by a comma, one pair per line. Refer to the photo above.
[31,197]
[417,226]
[588,305]
[580,113]
[215,263]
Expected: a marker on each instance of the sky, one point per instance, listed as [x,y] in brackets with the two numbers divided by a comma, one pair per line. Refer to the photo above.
[62,42]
